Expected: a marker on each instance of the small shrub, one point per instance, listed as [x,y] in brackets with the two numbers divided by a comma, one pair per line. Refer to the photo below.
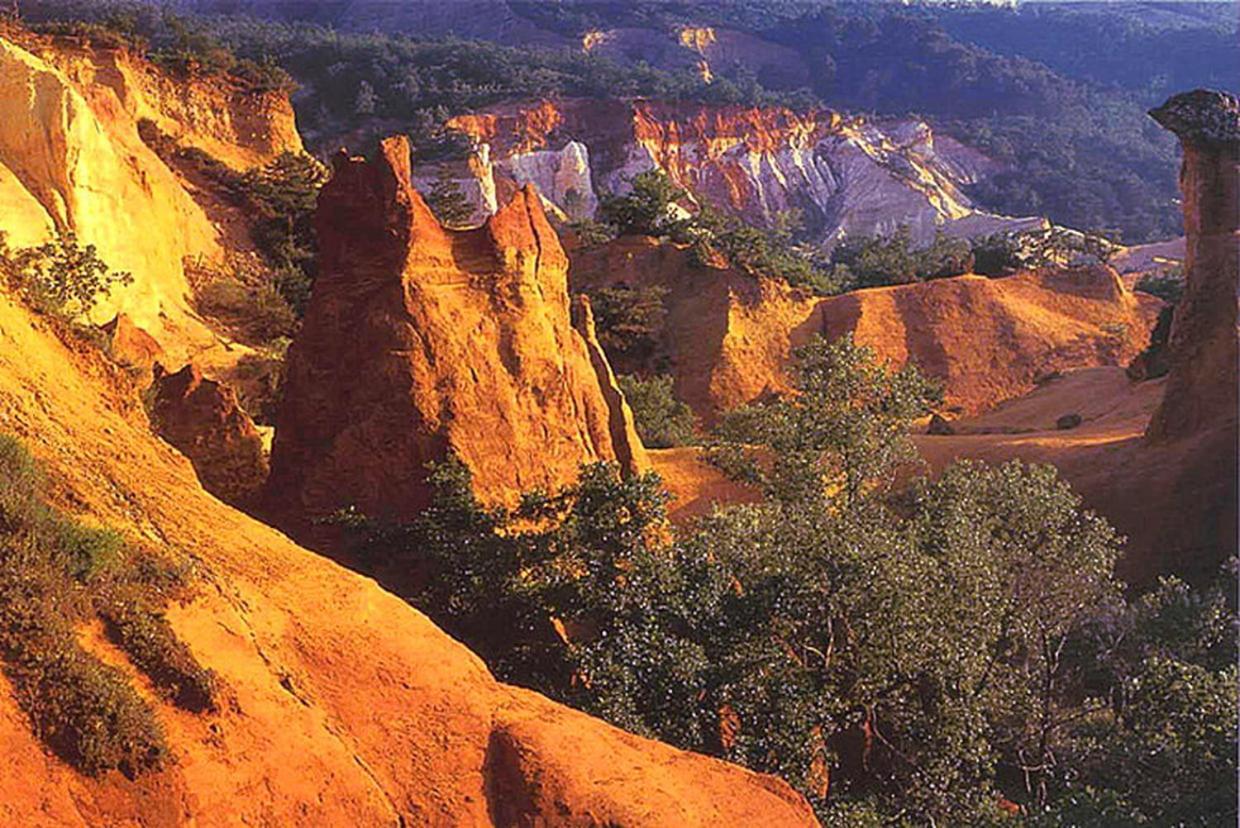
[1168,286]
[662,420]
[649,208]
[248,301]
[149,640]
[592,233]
[56,574]
[449,204]
[61,278]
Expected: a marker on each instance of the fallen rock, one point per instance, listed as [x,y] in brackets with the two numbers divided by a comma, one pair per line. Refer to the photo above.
[204,421]
[420,342]
[940,425]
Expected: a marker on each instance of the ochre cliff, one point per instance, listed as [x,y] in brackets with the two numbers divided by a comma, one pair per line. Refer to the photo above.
[342,705]
[71,158]
[421,341]
[846,175]
[729,336]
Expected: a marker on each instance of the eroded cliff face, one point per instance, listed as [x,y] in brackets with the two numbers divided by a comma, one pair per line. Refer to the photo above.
[1202,385]
[341,704]
[729,336]
[71,158]
[848,176]
[421,341]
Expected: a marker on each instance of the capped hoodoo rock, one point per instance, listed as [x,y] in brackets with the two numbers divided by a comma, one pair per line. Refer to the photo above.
[420,342]
[1202,385]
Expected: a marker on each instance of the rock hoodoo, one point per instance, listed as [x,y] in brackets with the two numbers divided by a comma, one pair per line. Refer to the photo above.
[421,341]
[1202,384]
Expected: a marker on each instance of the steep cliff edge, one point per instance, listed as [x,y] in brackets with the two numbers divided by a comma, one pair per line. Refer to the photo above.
[729,336]
[342,705]
[847,175]
[71,158]
[420,341]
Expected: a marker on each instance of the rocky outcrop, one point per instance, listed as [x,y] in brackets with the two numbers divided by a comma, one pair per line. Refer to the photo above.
[204,421]
[71,158]
[342,705]
[728,336]
[848,175]
[131,347]
[421,341]
[1202,351]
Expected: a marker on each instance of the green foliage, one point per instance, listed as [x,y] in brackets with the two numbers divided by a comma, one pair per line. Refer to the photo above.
[55,575]
[1167,286]
[649,208]
[592,233]
[280,199]
[146,636]
[662,420]
[877,261]
[282,196]
[770,252]
[61,277]
[843,431]
[996,255]
[248,301]
[449,204]
[629,321]
[1160,746]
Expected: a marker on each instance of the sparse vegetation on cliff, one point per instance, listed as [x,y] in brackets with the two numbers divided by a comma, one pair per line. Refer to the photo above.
[61,277]
[56,576]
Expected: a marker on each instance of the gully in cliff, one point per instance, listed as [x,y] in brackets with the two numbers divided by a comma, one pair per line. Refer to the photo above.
[421,341]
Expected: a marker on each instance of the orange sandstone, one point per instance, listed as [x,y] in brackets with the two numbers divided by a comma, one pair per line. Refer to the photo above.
[421,341]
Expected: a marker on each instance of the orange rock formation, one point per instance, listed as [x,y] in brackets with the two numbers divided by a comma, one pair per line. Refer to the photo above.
[729,335]
[420,341]
[343,705]
[1202,389]
[204,421]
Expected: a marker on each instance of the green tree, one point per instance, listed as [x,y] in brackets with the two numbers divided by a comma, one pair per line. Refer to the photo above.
[630,323]
[283,195]
[662,420]
[61,277]
[449,203]
[842,431]
[649,208]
